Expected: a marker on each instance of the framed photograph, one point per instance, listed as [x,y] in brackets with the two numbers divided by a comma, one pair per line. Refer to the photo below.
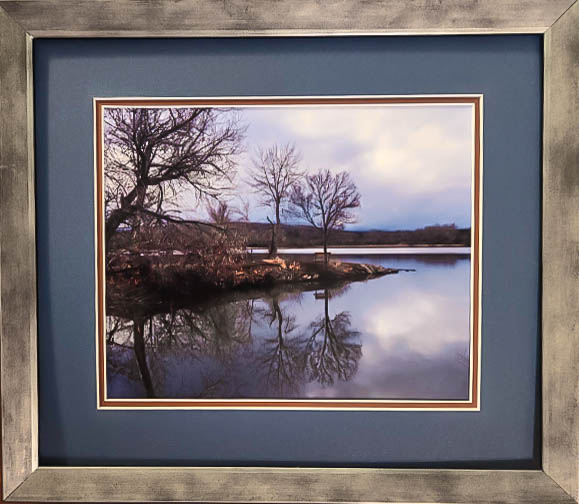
[242,253]
[275,253]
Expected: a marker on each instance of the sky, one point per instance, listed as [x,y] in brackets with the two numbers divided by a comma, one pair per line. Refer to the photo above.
[412,164]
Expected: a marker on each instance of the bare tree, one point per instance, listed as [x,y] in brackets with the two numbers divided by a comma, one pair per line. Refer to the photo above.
[275,170]
[326,201]
[219,212]
[151,154]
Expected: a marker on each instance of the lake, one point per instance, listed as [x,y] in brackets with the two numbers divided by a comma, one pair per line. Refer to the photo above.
[401,336]
[365,251]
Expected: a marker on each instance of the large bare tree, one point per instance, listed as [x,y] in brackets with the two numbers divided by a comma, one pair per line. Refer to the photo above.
[273,173]
[151,154]
[326,202]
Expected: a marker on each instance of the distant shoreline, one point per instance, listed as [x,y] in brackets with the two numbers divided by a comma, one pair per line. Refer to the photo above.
[400,245]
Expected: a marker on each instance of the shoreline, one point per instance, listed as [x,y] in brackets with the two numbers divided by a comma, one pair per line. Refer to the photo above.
[157,288]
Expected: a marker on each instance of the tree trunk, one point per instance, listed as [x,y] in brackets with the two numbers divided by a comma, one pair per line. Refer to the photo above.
[141,356]
[115,219]
[274,233]
[278,316]
[118,216]
[325,251]
[277,226]
[273,244]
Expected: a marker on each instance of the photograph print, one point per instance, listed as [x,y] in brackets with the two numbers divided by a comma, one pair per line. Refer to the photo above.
[288,252]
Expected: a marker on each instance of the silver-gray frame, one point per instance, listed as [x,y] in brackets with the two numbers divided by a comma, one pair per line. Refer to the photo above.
[23,20]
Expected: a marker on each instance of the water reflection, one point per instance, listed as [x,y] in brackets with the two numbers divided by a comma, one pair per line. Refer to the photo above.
[258,335]
[280,358]
[333,348]
[402,336]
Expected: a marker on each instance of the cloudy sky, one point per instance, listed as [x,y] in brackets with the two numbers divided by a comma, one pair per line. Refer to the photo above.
[412,164]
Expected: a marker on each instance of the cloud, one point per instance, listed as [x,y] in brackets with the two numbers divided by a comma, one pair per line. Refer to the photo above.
[412,163]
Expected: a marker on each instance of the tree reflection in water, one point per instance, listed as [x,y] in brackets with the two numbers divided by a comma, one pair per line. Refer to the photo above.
[242,348]
[280,356]
[333,349]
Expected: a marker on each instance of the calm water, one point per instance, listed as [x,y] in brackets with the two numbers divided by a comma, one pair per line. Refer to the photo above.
[364,251]
[403,336]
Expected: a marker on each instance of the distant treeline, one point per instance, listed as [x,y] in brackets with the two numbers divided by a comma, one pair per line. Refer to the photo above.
[259,235]
[255,234]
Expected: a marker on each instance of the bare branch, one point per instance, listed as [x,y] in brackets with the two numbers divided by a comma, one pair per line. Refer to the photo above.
[152,154]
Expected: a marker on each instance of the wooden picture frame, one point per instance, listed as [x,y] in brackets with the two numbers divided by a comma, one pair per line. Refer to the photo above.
[23,20]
